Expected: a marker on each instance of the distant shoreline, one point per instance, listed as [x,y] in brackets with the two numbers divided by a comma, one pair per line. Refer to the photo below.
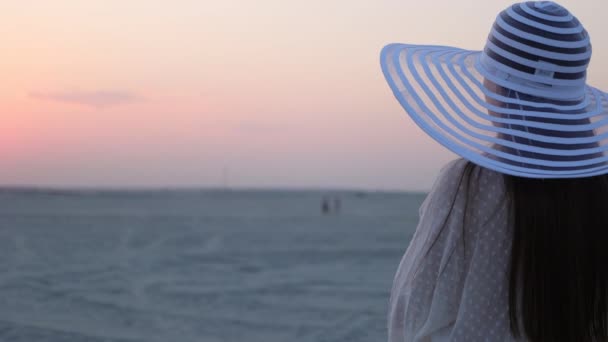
[103,189]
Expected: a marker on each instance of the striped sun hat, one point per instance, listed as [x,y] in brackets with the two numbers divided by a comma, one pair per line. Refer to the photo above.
[521,106]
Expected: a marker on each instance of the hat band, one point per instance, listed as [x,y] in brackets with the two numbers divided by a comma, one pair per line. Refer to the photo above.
[540,83]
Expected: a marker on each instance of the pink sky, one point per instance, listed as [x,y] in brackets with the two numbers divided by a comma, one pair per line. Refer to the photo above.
[280,93]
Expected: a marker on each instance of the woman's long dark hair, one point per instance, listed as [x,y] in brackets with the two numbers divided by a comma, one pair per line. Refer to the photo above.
[558,273]
[558,280]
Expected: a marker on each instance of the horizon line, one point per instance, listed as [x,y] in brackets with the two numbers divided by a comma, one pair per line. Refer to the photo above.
[194,188]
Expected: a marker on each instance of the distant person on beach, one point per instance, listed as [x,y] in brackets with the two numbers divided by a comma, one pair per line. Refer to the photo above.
[330,205]
[512,241]
[325,209]
[337,204]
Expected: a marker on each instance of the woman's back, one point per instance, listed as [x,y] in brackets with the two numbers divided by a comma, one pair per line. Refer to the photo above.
[497,257]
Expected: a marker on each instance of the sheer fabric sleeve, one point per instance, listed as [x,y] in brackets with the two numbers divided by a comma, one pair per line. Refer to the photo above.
[434,291]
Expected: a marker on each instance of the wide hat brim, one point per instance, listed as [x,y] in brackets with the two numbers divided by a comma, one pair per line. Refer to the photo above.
[452,96]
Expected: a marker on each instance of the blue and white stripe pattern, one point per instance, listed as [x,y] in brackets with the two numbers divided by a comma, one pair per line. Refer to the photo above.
[521,106]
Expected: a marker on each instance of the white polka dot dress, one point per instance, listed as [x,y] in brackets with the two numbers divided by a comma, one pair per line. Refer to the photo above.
[452,282]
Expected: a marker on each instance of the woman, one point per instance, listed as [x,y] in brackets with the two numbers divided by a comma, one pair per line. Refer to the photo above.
[512,242]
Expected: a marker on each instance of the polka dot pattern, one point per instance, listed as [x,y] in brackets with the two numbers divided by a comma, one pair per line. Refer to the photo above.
[451,284]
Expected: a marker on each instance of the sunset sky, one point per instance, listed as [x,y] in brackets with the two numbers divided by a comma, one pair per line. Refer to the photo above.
[265,93]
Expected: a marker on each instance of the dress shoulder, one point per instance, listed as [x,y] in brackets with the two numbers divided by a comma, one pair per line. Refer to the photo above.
[461,224]
[445,183]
